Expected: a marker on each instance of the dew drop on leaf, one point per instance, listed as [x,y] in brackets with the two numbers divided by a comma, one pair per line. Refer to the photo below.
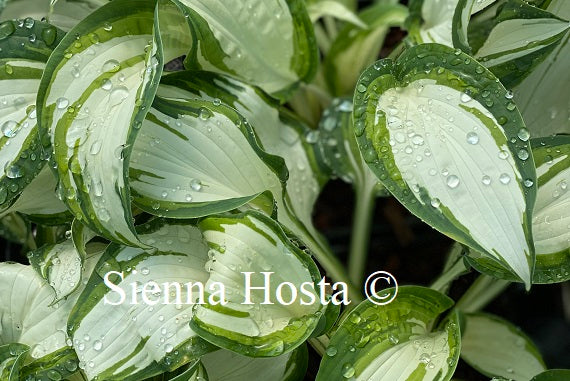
[472,138]
[504,178]
[453,181]
[61,103]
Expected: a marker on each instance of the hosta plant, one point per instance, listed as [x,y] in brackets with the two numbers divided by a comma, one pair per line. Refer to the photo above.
[160,161]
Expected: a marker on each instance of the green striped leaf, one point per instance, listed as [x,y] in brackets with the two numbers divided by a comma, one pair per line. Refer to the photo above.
[519,39]
[260,322]
[279,133]
[194,158]
[269,44]
[395,341]
[191,372]
[39,201]
[225,365]
[140,332]
[355,48]
[11,360]
[543,96]
[496,348]
[445,139]
[25,46]
[21,9]
[94,94]
[552,210]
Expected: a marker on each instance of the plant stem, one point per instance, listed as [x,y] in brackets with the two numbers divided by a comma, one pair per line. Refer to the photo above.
[481,293]
[322,38]
[365,200]
[454,267]
[330,26]
[320,344]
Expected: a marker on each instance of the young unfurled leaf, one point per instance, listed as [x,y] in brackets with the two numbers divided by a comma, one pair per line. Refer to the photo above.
[495,347]
[543,96]
[517,39]
[268,43]
[551,215]
[224,365]
[355,48]
[272,300]
[24,48]
[135,334]
[97,87]
[444,136]
[395,342]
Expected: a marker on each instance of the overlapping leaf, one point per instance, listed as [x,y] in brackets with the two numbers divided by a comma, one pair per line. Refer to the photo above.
[25,46]
[266,43]
[395,342]
[269,310]
[98,85]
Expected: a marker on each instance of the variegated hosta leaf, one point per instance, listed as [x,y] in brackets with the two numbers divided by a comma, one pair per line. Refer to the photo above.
[333,8]
[11,360]
[30,317]
[257,322]
[225,365]
[519,39]
[191,372]
[97,87]
[551,217]
[39,200]
[25,46]
[553,375]
[194,158]
[443,136]
[60,265]
[279,133]
[431,20]
[268,43]
[495,347]
[14,228]
[544,96]
[355,48]
[66,14]
[143,329]
[395,342]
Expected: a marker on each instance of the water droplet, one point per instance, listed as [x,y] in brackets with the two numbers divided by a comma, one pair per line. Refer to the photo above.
[331,351]
[97,345]
[472,138]
[465,97]
[502,120]
[393,339]
[196,185]
[486,180]
[54,375]
[523,154]
[504,178]
[425,358]
[104,215]
[118,95]
[3,194]
[418,139]
[111,65]
[164,194]
[29,22]
[145,271]
[503,154]
[10,128]
[217,102]
[348,370]
[523,134]
[108,27]
[435,202]
[106,84]
[511,106]
[452,181]
[95,147]
[49,34]
[13,171]
[32,38]
[188,197]
[361,88]
[528,183]
[509,95]
[61,103]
